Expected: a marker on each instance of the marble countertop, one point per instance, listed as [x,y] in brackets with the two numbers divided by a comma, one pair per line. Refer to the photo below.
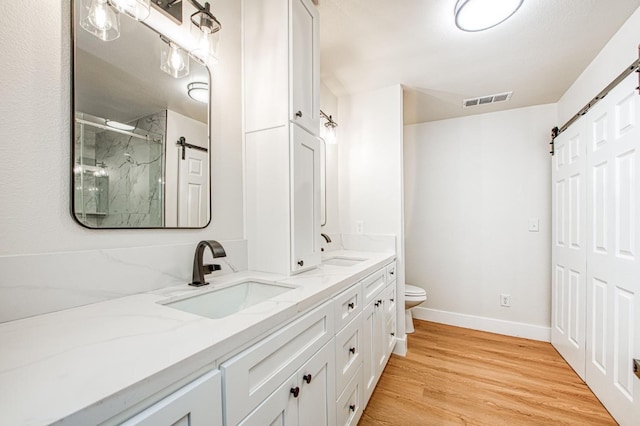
[96,360]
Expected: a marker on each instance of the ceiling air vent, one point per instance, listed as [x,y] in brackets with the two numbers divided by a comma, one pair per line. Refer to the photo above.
[484,100]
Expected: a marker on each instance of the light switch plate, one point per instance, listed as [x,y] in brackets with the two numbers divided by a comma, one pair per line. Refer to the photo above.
[534,225]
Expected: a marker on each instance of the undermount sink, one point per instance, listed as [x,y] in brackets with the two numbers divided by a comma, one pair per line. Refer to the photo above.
[229,300]
[342,261]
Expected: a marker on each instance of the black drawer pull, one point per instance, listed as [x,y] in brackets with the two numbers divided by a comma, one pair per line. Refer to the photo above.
[351,305]
[295,391]
[352,350]
[352,407]
[307,378]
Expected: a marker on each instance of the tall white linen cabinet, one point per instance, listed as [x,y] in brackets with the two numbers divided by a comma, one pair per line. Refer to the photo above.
[281,128]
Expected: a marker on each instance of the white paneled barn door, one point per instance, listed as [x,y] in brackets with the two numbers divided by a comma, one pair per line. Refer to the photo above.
[613,260]
[569,246]
[596,258]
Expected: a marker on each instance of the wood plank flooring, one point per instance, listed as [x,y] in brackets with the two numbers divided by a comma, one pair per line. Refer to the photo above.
[457,376]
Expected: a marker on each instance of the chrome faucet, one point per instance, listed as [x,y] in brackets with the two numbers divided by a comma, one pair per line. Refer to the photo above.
[200,270]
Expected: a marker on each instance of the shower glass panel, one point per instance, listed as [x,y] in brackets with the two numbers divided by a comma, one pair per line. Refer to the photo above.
[118,172]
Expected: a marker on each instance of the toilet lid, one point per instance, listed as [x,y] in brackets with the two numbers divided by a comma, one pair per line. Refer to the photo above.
[412,290]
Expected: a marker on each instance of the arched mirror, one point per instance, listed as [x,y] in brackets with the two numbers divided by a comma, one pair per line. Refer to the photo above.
[141,146]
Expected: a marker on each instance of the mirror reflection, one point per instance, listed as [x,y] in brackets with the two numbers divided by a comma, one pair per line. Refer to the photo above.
[141,135]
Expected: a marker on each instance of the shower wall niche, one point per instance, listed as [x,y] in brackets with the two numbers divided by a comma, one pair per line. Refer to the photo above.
[119,171]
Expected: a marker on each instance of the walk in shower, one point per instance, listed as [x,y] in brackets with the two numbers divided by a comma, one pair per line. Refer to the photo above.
[119,171]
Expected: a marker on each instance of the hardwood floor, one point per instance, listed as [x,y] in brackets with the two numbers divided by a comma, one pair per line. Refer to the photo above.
[457,376]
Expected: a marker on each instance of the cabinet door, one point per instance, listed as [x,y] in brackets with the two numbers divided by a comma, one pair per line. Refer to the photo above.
[279,409]
[305,80]
[197,404]
[316,401]
[389,320]
[305,205]
[372,346]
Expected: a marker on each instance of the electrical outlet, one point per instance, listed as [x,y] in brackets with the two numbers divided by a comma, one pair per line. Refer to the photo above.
[505,300]
[359,227]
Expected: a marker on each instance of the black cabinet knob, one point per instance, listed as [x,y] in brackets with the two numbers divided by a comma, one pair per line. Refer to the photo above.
[351,305]
[352,407]
[392,299]
[299,114]
[352,350]
[295,391]
[307,378]
[300,262]
[393,334]
[376,303]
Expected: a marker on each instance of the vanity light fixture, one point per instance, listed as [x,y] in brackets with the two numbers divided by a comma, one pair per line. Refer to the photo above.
[118,125]
[136,9]
[329,131]
[100,19]
[206,30]
[480,15]
[173,60]
[198,91]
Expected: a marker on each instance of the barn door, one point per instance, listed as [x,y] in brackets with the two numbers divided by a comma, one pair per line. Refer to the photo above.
[613,260]
[569,246]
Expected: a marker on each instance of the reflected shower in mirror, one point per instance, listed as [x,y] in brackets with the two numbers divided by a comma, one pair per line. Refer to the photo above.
[141,136]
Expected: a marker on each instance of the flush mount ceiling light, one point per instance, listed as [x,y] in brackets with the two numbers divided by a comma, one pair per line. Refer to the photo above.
[329,131]
[198,91]
[136,9]
[100,19]
[479,15]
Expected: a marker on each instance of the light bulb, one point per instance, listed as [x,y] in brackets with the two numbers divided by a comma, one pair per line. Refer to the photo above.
[175,60]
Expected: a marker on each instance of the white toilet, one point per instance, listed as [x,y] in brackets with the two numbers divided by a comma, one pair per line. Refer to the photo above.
[413,296]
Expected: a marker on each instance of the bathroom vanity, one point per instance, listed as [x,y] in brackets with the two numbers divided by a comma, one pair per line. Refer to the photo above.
[311,354]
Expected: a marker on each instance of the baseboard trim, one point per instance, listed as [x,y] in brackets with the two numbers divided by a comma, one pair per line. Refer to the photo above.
[401,346]
[492,325]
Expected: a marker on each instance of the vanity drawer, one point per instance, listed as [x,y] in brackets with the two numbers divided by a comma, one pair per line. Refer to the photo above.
[348,304]
[349,405]
[391,272]
[348,352]
[372,285]
[254,374]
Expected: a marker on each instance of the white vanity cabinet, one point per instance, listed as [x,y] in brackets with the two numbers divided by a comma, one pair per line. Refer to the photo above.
[288,375]
[281,64]
[196,404]
[281,126]
[379,332]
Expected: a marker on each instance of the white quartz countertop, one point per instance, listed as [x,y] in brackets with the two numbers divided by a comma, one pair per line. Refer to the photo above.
[96,360]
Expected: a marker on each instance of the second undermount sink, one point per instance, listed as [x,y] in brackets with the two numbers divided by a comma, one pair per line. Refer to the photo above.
[342,261]
[229,300]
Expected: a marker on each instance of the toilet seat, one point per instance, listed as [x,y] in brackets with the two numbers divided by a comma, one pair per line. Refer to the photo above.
[413,291]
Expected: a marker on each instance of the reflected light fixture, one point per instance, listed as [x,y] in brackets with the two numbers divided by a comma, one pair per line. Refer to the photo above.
[118,125]
[198,91]
[173,60]
[206,30]
[329,129]
[136,9]
[100,19]
[480,15]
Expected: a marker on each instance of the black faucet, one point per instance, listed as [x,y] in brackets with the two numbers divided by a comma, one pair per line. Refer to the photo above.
[200,270]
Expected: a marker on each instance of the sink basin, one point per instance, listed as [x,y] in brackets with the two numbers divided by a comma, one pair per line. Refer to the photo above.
[342,261]
[229,300]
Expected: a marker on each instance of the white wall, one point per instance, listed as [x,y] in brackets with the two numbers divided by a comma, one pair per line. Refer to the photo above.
[617,54]
[35,175]
[471,185]
[370,171]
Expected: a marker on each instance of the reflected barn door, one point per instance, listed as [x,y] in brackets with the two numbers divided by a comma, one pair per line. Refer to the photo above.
[193,189]
[569,246]
[613,271]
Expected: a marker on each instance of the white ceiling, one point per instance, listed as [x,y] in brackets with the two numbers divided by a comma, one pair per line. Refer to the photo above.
[538,53]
